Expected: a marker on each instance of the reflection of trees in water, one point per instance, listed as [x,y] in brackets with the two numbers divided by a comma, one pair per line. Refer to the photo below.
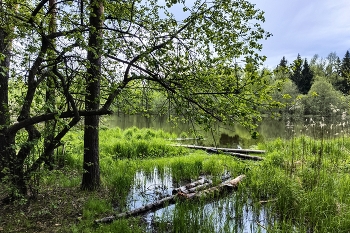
[316,126]
[287,127]
[227,140]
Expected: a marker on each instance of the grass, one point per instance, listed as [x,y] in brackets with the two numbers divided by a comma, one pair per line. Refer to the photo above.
[303,185]
[308,181]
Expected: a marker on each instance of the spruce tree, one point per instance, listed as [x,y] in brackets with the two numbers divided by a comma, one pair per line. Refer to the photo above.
[296,68]
[306,78]
[283,62]
[345,74]
[282,70]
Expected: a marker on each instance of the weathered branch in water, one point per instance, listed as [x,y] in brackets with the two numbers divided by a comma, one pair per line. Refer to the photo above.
[198,185]
[244,156]
[227,186]
[229,151]
[186,139]
[185,188]
[241,151]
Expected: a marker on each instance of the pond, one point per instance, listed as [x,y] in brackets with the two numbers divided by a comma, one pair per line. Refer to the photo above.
[227,214]
[220,135]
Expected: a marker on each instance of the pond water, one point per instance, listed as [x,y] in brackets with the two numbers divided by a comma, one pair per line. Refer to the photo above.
[231,213]
[224,215]
[220,135]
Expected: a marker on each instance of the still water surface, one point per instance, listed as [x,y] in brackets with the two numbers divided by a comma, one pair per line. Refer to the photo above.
[232,136]
[224,215]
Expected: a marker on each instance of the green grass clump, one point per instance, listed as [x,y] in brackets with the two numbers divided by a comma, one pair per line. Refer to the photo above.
[135,143]
[306,183]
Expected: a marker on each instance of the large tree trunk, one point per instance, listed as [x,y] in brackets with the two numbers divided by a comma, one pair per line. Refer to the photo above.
[91,176]
[5,142]
[50,126]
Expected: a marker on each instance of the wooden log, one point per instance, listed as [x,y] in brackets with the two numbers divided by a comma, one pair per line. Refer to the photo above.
[241,151]
[198,185]
[267,201]
[225,186]
[190,185]
[153,206]
[244,156]
[185,139]
[238,155]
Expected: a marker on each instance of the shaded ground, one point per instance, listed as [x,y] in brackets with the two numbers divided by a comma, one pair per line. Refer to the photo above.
[55,209]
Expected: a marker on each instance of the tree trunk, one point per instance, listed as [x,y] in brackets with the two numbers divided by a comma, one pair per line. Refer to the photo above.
[91,176]
[5,146]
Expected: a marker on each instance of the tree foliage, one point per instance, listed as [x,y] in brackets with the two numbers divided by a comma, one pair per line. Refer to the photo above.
[190,58]
[301,75]
[307,78]
[324,100]
[344,83]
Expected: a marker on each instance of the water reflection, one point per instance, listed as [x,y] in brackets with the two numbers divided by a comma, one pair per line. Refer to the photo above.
[288,126]
[228,214]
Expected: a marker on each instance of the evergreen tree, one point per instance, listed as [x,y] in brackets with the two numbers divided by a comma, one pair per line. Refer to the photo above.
[283,62]
[338,66]
[344,84]
[306,78]
[282,70]
[296,67]
[302,75]
[318,65]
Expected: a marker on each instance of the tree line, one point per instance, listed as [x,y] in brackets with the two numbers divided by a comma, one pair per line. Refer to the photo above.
[302,73]
[316,87]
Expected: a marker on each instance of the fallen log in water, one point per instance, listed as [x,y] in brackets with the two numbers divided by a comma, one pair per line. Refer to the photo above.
[153,206]
[226,186]
[241,151]
[238,155]
[229,152]
[244,156]
[197,185]
[185,139]
[186,187]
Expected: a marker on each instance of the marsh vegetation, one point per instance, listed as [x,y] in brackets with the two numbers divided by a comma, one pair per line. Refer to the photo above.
[302,185]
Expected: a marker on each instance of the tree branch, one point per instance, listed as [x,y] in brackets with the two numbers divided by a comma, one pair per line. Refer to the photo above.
[50,116]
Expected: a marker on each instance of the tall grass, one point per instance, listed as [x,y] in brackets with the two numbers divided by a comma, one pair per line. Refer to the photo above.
[304,183]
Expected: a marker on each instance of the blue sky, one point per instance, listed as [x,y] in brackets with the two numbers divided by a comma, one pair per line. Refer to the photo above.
[307,27]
